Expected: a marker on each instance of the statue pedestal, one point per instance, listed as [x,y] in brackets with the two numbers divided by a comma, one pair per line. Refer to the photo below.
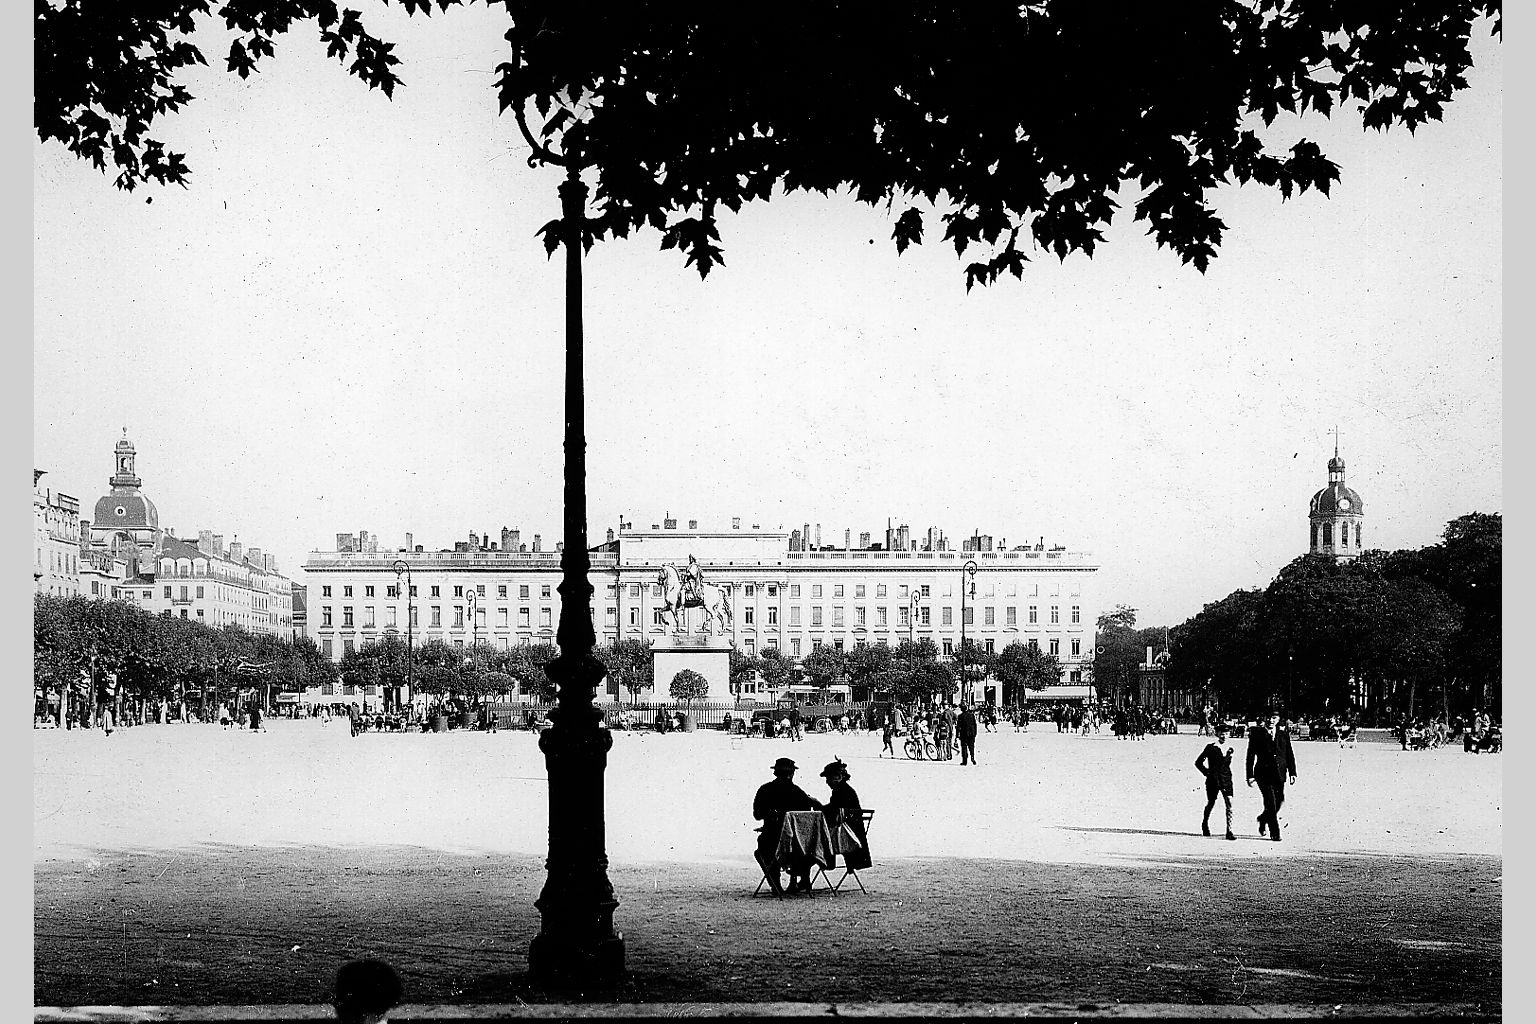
[706,654]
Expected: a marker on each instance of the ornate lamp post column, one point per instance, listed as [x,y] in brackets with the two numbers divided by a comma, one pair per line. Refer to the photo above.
[967,588]
[474,625]
[576,940]
[401,566]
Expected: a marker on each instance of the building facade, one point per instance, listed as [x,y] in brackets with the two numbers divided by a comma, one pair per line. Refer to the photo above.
[1337,516]
[220,587]
[55,540]
[784,593]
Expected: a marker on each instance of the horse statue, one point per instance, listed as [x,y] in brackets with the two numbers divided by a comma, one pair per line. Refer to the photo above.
[712,599]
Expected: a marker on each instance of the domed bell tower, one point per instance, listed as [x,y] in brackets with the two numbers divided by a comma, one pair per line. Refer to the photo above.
[1337,515]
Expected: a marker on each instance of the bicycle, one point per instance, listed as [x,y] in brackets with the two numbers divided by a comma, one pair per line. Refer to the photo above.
[919,748]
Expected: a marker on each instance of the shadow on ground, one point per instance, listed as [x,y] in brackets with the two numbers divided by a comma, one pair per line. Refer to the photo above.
[271,925]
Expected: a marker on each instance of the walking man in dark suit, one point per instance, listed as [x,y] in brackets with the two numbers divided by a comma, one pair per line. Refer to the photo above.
[1270,762]
[965,729]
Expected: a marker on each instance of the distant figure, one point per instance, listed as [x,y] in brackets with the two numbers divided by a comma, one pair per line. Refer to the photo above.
[352,718]
[965,730]
[256,719]
[366,990]
[774,800]
[1215,763]
[943,739]
[1269,762]
[794,723]
[886,733]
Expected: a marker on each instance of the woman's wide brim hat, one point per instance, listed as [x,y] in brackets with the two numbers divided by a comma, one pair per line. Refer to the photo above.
[835,769]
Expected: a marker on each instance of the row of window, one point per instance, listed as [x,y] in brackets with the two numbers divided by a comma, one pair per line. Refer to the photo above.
[924,617]
[62,562]
[393,590]
[749,590]
[391,617]
[1328,535]
[1053,645]
[258,602]
[611,616]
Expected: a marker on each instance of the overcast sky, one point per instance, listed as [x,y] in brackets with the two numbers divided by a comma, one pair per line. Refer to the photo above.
[347,323]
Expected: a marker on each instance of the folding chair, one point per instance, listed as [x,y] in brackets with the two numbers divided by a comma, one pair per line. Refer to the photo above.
[866,816]
[763,881]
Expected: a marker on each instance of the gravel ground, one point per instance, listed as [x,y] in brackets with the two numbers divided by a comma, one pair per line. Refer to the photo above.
[185,864]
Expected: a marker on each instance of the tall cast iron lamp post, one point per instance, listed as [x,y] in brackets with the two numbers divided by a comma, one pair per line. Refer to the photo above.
[474,628]
[401,566]
[576,940]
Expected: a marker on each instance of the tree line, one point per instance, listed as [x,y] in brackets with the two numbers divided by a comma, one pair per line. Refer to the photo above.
[1391,634]
[89,653]
[909,673]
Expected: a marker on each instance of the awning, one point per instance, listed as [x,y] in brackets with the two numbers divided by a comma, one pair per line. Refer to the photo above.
[1069,692]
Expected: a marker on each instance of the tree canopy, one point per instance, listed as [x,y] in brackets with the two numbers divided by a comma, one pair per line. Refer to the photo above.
[1018,125]
[688,686]
[1405,630]
[77,641]
[629,664]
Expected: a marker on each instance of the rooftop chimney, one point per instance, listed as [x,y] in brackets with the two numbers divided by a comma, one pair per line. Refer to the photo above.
[736,522]
[537,543]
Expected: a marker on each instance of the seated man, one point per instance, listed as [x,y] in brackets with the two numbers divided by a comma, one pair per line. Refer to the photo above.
[774,800]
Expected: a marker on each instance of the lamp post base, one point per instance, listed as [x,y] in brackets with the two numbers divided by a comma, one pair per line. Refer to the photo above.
[556,963]
[576,944]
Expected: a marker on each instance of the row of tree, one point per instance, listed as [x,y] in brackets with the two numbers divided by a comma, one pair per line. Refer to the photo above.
[911,672]
[1400,633]
[482,671]
[90,652]
[105,651]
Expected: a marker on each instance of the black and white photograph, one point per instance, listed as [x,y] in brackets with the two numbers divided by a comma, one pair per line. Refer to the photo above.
[905,511]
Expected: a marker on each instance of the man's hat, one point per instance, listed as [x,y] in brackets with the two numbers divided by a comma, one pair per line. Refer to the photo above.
[783,764]
[835,768]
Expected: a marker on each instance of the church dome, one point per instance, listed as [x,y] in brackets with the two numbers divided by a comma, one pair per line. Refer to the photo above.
[1336,499]
[125,510]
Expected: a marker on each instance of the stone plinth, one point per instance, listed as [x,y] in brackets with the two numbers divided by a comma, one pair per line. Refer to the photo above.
[709,656]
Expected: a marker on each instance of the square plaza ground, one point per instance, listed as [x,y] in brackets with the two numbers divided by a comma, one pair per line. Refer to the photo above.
[186,864]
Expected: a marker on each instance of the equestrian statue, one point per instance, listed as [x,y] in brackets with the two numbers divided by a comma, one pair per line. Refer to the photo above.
[686,589]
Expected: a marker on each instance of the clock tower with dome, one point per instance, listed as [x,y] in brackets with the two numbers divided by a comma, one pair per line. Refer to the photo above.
[1337,515]
[125,522]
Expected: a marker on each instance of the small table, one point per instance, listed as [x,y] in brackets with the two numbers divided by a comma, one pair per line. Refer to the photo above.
[805,839]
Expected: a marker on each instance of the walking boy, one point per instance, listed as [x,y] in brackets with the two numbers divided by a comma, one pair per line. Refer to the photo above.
[1215,763]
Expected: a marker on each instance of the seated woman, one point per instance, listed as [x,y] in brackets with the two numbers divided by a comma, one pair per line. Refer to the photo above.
[842,809]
